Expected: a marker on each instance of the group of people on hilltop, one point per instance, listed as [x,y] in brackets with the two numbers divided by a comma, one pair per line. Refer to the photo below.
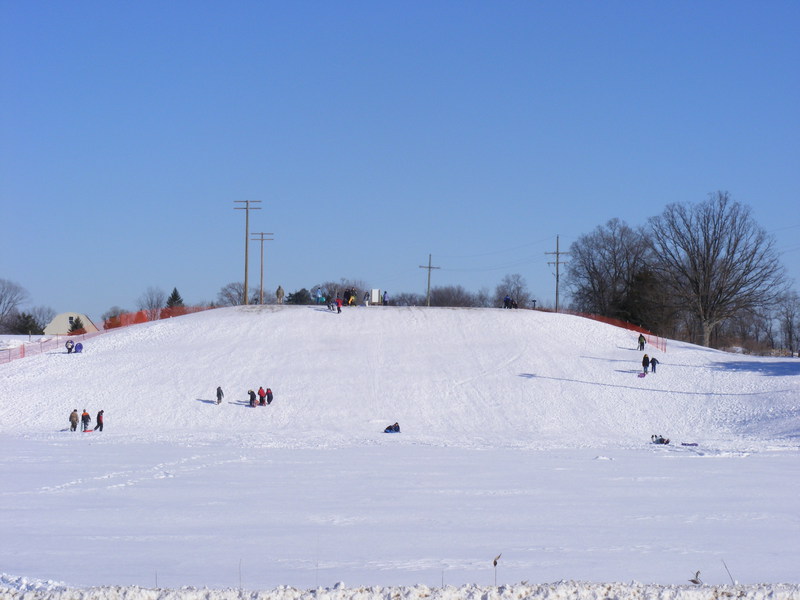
[86,420]
[509,302]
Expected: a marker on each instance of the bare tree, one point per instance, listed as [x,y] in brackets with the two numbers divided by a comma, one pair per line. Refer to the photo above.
[451,295]
[42,315]
[232,294]
[788,315]
[715,260]
[12,295]
[408,299]
[607,269]
[152,301]
[515,287]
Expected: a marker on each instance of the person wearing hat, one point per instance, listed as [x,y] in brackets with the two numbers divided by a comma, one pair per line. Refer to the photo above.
[86,419]
[252,397]
[645,362]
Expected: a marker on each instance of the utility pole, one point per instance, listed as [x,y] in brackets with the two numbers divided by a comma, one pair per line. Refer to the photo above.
[430,268]
[246,208]
[262,239]
[557,262]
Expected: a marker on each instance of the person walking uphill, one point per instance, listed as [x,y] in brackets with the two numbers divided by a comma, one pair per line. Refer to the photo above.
[642,341]
[86,420]
[653,363]
[73,420]
[645,362]
[220,395]
[99,421]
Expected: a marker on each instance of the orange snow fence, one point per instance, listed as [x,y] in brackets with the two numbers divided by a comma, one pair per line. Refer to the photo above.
[56,345]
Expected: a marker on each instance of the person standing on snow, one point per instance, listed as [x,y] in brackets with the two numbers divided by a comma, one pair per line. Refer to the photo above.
[86,420]
[653,363]
[269,396]
[645,362]
[262,395]
[220,395]
[642,341]
[252,397]
[69,346]
[338,305]
[99,421]
[73,420]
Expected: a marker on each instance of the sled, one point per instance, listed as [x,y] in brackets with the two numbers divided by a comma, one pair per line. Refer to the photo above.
[688,443]
[642,374]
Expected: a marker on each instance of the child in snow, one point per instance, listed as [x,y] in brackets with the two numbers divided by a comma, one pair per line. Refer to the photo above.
[657,439]
[645,362]
[69,345]
[392,429]
[99,421]
[653,363]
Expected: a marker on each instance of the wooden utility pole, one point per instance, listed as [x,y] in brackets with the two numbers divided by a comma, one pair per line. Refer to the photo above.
[262,239]
[246,208]
[557,262]
[430,268]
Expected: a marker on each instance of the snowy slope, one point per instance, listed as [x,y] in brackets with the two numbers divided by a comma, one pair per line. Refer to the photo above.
[523,432]
[451,377]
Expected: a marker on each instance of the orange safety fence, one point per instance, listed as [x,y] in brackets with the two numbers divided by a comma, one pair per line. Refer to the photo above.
[652,339]
[56,344]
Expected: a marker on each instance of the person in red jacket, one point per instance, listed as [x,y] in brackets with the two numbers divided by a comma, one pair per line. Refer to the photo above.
[99,421]
[338,304]
[262,395]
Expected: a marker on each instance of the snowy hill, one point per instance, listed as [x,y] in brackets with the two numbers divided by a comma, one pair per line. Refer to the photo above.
[523,432]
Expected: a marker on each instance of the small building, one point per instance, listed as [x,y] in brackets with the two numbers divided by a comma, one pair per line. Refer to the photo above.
[62,323]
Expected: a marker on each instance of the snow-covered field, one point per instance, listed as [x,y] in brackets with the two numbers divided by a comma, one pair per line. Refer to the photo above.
[524,435]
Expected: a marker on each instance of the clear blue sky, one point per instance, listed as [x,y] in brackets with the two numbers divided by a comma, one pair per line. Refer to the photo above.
[375,133]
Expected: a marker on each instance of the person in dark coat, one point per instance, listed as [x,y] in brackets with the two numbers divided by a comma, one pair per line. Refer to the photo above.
[86,420]
[220,395]
[392,429]
[252,397]
[262,395]
[73,420]
[645,362]
[642,341]
[69,345]
[653,363]
[99,421]
[269,396]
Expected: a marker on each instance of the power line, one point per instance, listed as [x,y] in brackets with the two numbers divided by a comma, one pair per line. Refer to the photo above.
[246,208]
[262,239]
[557,262]
[429,267]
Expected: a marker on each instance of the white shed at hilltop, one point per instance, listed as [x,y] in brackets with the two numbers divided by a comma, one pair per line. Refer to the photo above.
[62,323]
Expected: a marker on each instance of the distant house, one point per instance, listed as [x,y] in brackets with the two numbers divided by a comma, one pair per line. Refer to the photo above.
[62,323]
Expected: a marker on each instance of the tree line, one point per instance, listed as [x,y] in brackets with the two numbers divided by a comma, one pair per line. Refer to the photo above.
[705,273]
